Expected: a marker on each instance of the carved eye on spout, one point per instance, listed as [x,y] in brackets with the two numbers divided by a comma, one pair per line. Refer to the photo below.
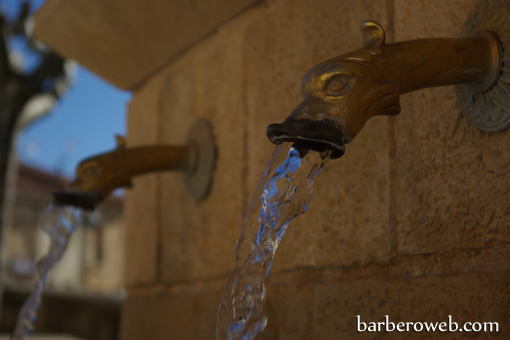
[337,85]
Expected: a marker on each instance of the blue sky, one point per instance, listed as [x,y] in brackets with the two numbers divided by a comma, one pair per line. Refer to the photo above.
[82,124]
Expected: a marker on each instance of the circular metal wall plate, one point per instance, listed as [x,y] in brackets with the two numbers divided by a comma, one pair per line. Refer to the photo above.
[489,110]
[199,177]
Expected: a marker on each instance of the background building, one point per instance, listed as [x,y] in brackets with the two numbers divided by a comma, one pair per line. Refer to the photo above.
[87,282]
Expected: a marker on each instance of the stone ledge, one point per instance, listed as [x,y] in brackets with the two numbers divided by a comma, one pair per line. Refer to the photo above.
[121,41]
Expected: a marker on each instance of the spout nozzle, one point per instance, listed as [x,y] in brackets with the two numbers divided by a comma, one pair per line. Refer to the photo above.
[317,135]
[84,200]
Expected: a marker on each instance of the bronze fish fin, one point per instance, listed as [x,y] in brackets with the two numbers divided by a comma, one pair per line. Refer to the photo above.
[121,141]
[373,34]
[384,101]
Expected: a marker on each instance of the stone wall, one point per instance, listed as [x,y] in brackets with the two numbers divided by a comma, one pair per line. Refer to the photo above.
[413,222]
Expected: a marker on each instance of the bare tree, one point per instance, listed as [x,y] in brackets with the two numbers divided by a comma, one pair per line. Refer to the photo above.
[20,89]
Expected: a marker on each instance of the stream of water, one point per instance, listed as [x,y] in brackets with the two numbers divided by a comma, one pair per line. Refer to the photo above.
[59,222]
[283,192]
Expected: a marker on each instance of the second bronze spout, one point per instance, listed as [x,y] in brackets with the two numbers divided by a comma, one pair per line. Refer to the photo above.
[98,176]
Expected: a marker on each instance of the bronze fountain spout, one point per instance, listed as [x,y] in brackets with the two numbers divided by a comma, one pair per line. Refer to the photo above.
[342,93]
[98,176]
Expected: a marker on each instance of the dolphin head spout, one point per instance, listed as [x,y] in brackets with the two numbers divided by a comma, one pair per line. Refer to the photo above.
[339,96]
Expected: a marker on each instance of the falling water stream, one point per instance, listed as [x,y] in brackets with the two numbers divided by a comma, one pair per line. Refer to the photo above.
[284,192]
[59,222]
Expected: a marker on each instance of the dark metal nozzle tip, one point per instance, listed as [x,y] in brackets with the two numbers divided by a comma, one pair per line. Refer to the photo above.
[319,136]
[82,200]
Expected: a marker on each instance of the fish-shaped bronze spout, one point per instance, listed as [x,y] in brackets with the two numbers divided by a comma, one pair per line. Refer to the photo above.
[342,93]
[98,176]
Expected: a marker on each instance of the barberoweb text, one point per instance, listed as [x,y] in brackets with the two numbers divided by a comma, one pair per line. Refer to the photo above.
[444,326]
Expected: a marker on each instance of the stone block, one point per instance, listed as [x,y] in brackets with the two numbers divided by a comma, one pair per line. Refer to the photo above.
[451,179]
[470,297]
[137,41]
[179,313]
[323,303]
[198,237]
[469,285]
[140,213]
[159,315]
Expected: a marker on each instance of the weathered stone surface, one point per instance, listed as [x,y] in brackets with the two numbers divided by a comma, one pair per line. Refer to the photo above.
[179,313]
[467,298]
[158,316]
[347,221]
[126,41]
[140,213]
[452,179]
[198,238]
[323,304]
[411,222]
